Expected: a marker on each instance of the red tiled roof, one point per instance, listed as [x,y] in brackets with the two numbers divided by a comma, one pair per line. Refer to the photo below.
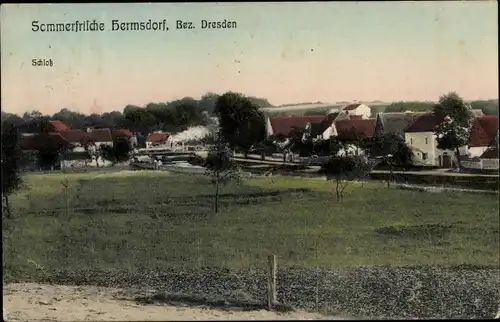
[57,126]
[79,136]
[74,136]
[351,107]
[483,131]
[124,132]
[100,135]
[424,123]
[285,125]
[355,129]
[157,137]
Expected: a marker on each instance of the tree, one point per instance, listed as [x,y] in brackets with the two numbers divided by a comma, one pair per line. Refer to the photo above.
[74,120]
[142,119]
[241,123]
[11,156]
[221,167]
[207,102]
[453,132]
[344,168]
[117,153]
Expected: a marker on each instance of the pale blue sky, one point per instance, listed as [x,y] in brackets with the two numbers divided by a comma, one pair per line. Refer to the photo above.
[286,52]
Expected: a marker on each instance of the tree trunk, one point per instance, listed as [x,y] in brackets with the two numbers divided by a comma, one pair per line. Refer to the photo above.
[217,194]
[337,190]
[457,155]
[390,176]
[7,206]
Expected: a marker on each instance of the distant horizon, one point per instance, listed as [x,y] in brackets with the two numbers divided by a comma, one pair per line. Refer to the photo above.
[378,103]
[283,52]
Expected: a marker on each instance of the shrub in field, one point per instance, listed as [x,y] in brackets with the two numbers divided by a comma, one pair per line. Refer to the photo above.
[221,168]
[344,168]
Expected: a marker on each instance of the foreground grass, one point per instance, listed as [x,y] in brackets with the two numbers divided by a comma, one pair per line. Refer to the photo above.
[153,220]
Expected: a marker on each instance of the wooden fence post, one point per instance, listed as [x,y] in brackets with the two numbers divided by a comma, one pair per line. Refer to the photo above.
[65,185]
[317,275]
[271,287]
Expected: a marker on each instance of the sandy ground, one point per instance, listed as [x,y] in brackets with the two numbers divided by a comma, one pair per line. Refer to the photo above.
[30,302]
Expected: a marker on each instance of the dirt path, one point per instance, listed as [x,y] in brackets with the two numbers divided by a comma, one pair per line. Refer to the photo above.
[29,302]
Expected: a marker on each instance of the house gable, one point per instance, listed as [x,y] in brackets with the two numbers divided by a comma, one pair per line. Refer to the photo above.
[394,122]
[491,153]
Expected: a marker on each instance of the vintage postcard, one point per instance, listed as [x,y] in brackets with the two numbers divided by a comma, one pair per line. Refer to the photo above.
[300,160]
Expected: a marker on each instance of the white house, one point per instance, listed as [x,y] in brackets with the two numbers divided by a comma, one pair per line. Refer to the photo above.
[358,109]
[157,140]
[421,138]
[86,143]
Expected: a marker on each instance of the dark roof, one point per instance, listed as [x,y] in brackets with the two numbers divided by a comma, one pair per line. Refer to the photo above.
[333,116]
[57,126]
[51,140]
[356,117]
[285,125]
[355,129]
[157,137]
[79,136]
[396,122]
[351,107]
[483,131]
[424,123]
[491,153]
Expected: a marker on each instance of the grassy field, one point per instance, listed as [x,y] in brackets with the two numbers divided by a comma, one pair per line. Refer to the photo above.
[133,220]
[382,252]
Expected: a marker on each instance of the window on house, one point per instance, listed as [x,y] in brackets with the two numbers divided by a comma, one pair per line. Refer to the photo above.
[424,155]
[426,140]
[411,141]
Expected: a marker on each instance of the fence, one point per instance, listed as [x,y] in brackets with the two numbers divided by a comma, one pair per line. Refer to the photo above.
[482,164]
[147,234]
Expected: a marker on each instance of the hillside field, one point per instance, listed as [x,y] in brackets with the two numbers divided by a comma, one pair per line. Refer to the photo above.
[134,222]
[154,219]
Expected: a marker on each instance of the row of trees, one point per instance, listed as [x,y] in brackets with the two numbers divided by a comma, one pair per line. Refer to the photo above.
[171,116]
[489,107]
